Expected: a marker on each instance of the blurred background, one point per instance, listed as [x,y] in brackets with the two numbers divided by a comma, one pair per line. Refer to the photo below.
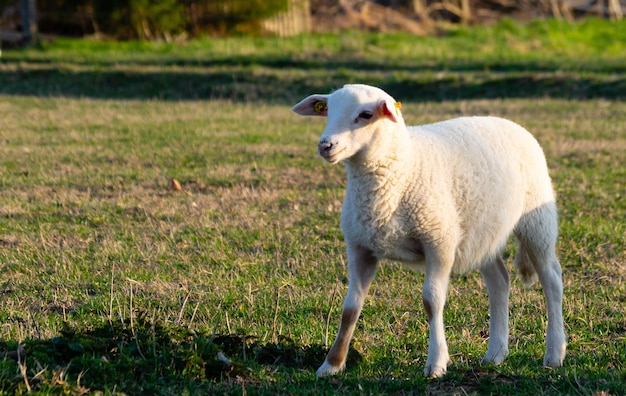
[178,20]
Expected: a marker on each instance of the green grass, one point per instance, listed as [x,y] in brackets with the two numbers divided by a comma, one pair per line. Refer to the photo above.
[114,283]
[548,58]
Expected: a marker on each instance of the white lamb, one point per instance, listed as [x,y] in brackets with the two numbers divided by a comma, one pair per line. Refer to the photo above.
[442,198]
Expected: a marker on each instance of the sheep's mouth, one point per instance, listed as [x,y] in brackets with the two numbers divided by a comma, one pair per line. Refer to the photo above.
[332,157]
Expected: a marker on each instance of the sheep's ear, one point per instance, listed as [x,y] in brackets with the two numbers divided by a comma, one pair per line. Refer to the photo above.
[390,109]
[314,105]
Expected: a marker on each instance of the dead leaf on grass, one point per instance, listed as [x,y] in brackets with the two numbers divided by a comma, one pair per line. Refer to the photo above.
[175,185]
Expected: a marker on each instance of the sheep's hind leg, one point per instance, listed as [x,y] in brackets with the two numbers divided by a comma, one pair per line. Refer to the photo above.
[552,284]
[496,278]
[537,232]
[362,267]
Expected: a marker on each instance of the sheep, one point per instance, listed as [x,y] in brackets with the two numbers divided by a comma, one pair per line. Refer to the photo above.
[441,198]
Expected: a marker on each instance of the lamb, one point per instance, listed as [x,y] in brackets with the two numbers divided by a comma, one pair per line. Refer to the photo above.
[442,198]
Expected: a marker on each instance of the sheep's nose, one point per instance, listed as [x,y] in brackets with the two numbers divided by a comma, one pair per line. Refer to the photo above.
[324,147]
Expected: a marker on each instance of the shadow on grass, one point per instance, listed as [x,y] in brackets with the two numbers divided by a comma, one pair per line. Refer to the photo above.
[285,80]
[143,356]
[312,61]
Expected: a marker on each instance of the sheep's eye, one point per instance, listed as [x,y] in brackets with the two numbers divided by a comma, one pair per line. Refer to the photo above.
[366,115]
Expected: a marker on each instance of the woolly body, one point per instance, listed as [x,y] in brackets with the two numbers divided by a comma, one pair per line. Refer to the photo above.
[441,198]
[456,180]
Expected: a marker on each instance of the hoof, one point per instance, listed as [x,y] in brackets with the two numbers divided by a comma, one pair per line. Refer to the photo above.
[434,371]
[327,369]
[495,358]
[554,357]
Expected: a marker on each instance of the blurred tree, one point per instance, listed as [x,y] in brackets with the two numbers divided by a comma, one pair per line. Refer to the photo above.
[123,19]
[66,17]
[154,19]
[230,16]
[145,19]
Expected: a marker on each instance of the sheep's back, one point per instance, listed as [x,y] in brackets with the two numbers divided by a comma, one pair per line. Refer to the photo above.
[476,176]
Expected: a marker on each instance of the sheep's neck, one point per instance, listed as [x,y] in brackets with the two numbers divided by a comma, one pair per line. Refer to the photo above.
[376,188]
[382,169]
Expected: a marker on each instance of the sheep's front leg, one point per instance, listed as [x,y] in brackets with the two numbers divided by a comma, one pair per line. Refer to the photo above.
[434,297]
[496,278]
[362,267]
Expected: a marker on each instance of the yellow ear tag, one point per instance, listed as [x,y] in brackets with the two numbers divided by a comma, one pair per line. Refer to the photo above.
[398,106]
[320,107]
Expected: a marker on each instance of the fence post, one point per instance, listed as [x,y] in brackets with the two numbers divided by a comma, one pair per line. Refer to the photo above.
[29,20]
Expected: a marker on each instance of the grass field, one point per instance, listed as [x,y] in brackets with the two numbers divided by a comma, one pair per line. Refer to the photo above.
[113,282]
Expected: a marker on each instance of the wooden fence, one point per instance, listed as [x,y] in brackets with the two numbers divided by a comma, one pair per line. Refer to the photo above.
[296,20]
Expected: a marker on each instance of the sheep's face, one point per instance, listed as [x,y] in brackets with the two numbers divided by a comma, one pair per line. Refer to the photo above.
[360,118]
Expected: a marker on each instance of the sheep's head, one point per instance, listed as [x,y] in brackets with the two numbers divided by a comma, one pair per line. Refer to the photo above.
[360,118]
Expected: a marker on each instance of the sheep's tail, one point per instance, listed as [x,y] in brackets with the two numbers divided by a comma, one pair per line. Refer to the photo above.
[525,266]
